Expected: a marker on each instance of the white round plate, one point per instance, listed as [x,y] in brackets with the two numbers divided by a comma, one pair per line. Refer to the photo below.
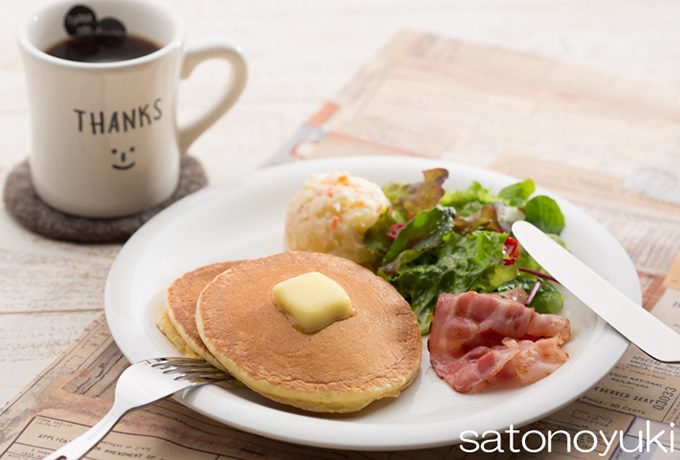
[246,219]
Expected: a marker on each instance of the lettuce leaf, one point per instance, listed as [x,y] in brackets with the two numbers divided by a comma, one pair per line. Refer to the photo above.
[496,277]
[376,238]
[471,200]
[548,298]
[477,200]
[486,218]
[409,199]
[467,259]
[544,213]
[425,231]
[517,194]
[458,264]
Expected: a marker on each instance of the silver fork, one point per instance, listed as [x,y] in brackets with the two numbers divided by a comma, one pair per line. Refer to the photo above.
[140,384]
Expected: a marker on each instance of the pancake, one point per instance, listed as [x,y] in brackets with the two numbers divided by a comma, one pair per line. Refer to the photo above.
[181,306]
[341,368]
[170,331]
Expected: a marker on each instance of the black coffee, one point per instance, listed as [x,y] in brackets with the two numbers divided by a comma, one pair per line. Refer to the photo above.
[102,48]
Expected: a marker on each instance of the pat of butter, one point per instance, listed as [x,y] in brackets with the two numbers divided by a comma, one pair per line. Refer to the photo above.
[313,301]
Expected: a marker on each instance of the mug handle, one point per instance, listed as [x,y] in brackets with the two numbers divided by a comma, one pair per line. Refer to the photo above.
[214,49]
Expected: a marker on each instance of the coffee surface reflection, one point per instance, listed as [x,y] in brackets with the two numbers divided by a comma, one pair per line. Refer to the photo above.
[102,48]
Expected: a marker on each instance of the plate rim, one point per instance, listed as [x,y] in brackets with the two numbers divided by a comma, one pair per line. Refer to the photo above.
[271,423]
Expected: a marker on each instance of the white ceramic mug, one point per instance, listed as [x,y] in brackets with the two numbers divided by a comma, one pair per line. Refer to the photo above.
[105,137]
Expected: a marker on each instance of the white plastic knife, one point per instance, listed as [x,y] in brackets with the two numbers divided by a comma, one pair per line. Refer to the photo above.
[630,319]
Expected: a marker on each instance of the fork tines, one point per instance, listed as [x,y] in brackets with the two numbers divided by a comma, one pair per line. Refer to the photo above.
[175,360]
[193,369]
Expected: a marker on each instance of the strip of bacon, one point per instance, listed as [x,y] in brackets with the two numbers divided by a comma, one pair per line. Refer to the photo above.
[482,339]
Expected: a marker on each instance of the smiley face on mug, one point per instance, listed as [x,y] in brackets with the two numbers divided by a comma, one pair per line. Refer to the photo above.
[122,160]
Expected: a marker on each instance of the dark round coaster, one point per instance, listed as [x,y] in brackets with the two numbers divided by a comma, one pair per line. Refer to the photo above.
[31,212]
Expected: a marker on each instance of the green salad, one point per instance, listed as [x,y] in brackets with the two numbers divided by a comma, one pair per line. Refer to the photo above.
[432,241]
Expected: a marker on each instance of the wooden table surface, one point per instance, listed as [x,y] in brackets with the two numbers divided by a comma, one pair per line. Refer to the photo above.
[299,53]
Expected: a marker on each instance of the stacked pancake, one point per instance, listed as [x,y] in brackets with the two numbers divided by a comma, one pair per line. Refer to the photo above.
[226,313]
[178,319]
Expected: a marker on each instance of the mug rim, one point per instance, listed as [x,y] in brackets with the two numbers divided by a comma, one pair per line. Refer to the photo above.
[176,41]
